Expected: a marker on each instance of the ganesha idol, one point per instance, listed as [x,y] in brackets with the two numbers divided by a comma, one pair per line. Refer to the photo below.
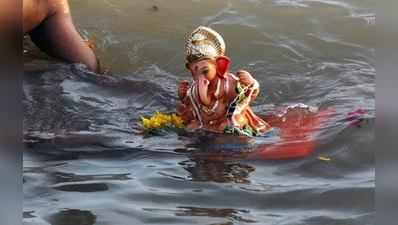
[217,100]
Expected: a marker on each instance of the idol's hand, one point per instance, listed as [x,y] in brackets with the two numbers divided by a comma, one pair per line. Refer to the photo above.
[185,112]
[245,77]
[183,89]
[247,80]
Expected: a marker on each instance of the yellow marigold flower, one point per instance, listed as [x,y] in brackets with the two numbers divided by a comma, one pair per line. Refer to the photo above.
[160,120]
[145,122]
[177,121]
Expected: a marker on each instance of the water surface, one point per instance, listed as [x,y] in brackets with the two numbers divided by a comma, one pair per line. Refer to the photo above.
[86,161]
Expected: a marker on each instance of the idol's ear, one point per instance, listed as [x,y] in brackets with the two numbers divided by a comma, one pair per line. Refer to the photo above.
[222,65]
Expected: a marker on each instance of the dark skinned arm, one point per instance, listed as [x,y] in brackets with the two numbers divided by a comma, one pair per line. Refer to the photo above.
[58,37]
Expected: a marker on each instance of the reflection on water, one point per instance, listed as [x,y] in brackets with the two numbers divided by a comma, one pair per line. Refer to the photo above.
[87,162]
[72,217]
[232,214]
[217,171]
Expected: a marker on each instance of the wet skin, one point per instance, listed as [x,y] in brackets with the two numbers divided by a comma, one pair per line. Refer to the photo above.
[50,26]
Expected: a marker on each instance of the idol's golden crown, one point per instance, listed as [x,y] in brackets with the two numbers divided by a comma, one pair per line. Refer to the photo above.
[204,42]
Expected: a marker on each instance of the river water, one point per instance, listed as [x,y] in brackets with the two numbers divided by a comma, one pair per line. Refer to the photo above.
[86,161]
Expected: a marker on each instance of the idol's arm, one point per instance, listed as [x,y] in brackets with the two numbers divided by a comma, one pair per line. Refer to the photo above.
[184,108]
[252,90]
[252,85]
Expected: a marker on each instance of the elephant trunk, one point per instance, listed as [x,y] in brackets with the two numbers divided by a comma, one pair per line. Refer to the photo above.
[203,89]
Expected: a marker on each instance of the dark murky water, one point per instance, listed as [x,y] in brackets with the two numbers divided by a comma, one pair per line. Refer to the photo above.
[86,161]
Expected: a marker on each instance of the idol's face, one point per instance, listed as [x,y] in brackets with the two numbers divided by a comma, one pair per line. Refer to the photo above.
[203,69]
[204,72]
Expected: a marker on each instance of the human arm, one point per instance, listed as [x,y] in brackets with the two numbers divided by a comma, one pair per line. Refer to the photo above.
[58,37]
